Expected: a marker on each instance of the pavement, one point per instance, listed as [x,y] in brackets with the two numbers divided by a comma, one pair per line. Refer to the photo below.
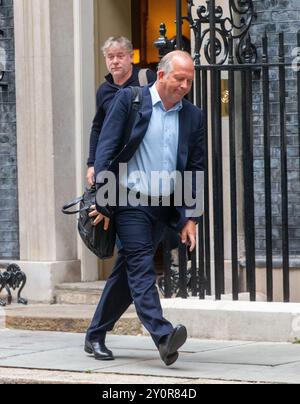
[40,357]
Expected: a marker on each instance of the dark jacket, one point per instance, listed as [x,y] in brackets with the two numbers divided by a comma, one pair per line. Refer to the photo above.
[190,148]
[105,95]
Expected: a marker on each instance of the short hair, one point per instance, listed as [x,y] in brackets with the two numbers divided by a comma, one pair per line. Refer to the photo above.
[166,64]
[121,41]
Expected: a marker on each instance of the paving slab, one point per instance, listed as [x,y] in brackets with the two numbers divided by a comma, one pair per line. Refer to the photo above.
[38,341]
[217,371]
[137,356]
[8,353]
[192,345]
[75,359]
[261,354]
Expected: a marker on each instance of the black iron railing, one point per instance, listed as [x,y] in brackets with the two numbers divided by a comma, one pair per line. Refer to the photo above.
[224,50]
[11,279]
[2,73]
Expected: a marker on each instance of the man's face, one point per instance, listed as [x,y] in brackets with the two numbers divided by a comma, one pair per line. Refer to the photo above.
[119,62]
[178,83]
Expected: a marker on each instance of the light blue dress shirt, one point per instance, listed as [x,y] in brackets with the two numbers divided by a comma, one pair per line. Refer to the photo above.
[157,154]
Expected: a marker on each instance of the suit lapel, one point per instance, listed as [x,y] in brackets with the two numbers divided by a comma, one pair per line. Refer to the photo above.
[183,143]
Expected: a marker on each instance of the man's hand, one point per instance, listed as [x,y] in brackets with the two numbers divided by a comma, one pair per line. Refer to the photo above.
[91,176]
[188,235]
[99,217]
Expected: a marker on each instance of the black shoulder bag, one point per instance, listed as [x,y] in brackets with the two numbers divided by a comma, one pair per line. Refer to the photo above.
[96,239]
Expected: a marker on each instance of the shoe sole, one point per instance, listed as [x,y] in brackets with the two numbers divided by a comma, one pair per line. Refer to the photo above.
[98,358]
[88,351]
[178,339]
[171,359]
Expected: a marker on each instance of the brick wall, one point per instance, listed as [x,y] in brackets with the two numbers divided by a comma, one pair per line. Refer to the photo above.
[274,16]
[9,245]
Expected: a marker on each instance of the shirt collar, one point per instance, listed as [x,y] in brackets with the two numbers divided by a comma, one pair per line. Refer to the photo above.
[131,80]
[157,100]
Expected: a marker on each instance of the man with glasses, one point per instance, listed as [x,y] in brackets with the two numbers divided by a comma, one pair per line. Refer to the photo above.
[118,53]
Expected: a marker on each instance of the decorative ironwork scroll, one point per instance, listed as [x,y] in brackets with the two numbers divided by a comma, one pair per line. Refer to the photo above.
[235,26]
[2,73]
[13,278]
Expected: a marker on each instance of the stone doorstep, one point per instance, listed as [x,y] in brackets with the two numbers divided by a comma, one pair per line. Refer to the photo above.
[82,286]
[79,293]
[209,319]
[241,320]
[64,318]
[84,293]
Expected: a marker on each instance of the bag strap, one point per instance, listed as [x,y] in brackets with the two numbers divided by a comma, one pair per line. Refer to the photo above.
[136,102]
[143,78]
[65,209]
[67,206]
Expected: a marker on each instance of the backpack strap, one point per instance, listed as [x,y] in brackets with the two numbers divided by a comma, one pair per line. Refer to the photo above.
[143,78]
[136,102]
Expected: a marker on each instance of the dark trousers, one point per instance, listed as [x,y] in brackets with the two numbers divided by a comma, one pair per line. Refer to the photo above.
[133,278]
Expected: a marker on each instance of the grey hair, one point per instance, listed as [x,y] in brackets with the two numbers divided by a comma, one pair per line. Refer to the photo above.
[119,41]
[166,64]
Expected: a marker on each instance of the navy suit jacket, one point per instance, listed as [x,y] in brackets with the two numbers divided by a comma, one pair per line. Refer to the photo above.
[111,141]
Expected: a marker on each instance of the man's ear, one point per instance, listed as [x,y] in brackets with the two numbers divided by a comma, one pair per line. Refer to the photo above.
[160,75]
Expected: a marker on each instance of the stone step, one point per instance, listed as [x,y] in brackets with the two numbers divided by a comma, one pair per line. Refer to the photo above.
[236,320]
[84,293]
[64,318]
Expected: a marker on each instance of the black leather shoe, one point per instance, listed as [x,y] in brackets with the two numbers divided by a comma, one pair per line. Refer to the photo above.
[99,350]
[169,346]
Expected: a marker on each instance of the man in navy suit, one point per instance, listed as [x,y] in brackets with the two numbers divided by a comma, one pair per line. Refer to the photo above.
[167,137]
